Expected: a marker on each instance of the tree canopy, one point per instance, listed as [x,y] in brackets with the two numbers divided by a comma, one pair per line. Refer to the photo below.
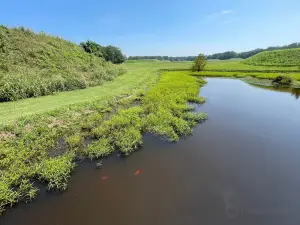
[199,63]
[109,53]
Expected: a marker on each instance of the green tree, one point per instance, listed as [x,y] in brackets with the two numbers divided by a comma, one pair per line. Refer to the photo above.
[93,48]
[109,53]
[199,63]
[113,54]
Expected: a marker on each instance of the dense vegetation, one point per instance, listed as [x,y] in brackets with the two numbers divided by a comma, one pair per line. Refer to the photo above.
[221,56]
[34,65]
[109,53]
[282,80]
[290,57]
[45,147]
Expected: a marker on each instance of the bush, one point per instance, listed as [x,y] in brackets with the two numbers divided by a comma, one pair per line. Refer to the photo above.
[282,80]
[199,63]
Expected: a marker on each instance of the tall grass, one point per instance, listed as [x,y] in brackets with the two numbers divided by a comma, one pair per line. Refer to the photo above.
[287,57]
[33,65]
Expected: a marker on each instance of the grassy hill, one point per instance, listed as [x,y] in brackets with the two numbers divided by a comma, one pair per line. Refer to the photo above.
[288,57]
[34,65]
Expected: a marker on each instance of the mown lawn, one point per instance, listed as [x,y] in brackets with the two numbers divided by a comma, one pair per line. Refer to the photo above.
[10,111]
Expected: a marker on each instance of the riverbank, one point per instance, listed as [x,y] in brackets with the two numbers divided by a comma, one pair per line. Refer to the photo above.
[41,138]
[44,147]
[138,73]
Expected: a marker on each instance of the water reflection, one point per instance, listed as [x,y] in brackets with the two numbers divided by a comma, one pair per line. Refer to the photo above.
[294,91]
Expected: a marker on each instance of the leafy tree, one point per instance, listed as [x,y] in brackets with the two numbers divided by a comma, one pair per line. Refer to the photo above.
[113,54]
[93,48]
[109,53]
[199,63]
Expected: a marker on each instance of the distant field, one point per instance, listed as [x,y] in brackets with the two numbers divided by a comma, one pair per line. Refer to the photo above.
[240,65]
[155,64]
[215,65]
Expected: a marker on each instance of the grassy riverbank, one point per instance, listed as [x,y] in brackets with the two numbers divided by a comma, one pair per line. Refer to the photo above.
[41,138]
[45,146]
[138,72]
[225,68]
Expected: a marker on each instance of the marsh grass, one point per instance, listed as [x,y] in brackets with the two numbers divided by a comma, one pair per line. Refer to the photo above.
[117,124]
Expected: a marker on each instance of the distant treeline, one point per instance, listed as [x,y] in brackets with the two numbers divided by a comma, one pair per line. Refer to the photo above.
[220,56]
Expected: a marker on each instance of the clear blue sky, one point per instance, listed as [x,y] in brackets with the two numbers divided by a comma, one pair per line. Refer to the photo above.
[162,27]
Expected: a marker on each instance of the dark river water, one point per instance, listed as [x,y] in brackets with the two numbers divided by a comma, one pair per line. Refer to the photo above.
[242,166]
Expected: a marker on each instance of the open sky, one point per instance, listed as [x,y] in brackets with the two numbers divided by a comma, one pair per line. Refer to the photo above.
[162,27]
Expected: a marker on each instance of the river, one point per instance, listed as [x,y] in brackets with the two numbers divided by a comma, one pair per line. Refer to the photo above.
[242,166]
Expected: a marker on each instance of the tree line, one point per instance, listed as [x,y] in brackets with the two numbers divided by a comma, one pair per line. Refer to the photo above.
[220,56]
[109,53]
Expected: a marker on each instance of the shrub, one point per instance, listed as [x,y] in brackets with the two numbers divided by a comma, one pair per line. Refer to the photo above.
[199,63]
[99,148]
[282,80]
[56,171]
[74,141]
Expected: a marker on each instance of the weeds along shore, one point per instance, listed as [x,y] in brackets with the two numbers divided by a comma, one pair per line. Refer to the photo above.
[44,147]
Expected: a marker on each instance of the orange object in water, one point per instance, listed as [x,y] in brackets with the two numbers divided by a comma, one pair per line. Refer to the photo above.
[137,172]
[104,177]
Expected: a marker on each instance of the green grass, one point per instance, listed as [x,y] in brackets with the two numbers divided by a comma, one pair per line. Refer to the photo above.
[138,73]
[33,65]
[9,111]
[212,65]
[156,64]
[165,105]
[287,57]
